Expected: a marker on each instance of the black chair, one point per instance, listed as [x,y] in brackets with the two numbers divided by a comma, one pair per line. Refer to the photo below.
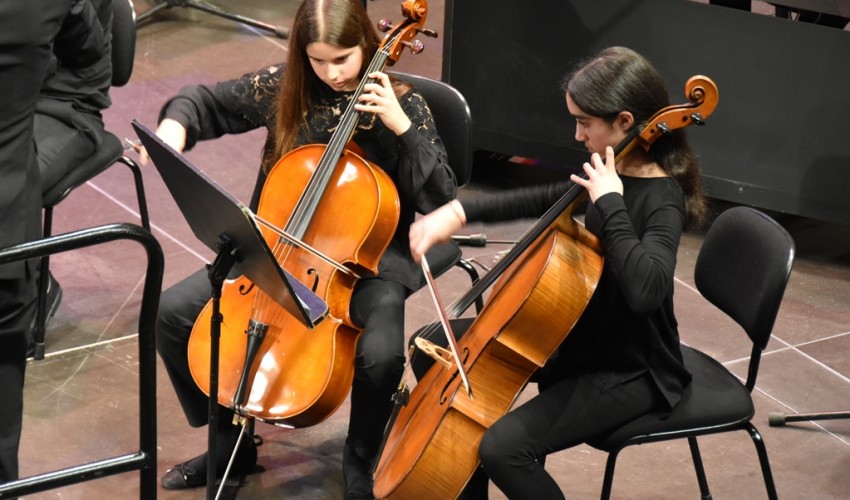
[110,153]
[742,268]
[454,122]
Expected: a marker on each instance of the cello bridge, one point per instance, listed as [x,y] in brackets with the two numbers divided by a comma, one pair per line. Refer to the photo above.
[439,354]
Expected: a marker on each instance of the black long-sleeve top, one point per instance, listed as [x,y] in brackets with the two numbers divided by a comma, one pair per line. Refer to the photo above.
[81,75]
[415,160]
[629,327]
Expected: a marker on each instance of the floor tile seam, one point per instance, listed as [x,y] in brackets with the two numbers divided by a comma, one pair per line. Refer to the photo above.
[815,341]
[783,403]
[121,308]
[688,286]
[115,200]
[809,357]
[89,346]
[154,227]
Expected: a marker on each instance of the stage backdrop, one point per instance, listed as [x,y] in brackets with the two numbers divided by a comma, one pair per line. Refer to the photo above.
[779,138]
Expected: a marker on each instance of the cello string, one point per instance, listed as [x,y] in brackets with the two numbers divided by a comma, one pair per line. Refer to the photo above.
[309,200]
[263,310]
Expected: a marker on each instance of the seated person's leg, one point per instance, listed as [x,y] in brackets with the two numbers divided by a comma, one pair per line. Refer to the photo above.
[61,146]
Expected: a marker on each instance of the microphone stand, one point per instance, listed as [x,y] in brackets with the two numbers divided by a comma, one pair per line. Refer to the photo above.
[279,31]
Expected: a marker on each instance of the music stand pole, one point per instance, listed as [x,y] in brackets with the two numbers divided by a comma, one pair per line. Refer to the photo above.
[217,274]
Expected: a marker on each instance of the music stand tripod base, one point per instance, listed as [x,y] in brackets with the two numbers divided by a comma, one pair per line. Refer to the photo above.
[279,31]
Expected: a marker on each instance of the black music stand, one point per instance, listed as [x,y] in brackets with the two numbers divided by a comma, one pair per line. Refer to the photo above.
[227,227]
[280,31]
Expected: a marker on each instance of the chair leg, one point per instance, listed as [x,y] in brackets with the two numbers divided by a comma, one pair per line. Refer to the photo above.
[765,463]
[473,276]
[705,494]
[140,190]
[43,278]
[608,480]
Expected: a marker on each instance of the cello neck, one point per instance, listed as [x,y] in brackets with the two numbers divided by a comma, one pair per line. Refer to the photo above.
[306,207]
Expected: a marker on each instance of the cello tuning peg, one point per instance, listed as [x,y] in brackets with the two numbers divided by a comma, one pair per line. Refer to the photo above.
[385,25]
[415,46]
[697,118]
[430,33]
[664,128]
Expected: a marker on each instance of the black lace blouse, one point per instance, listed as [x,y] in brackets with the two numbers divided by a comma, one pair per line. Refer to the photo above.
[416,160]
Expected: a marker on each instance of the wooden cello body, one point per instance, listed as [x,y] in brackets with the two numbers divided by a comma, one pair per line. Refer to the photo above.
[545,292]
[544,284]
[302,375]
[334,215]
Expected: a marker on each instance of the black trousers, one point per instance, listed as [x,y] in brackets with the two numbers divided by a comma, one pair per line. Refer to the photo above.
[17,311]
[64,137]
[26,32]
[567,411]
[377,305]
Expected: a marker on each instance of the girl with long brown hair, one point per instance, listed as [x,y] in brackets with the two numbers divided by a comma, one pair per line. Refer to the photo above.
[331,45]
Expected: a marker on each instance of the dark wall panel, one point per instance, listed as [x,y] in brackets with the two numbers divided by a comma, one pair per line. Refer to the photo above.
[779,138]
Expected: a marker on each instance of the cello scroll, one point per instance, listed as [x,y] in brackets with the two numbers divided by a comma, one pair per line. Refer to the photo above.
[701,91]
[415,12]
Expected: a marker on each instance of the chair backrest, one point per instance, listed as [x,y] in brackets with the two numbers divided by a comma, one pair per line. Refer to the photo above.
[743,268]
[453,118]
[123,41]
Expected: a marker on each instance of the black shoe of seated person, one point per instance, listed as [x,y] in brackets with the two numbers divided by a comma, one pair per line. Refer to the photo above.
[193,473]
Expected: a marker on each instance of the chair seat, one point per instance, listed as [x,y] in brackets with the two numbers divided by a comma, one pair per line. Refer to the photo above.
[105,156]
[714,401]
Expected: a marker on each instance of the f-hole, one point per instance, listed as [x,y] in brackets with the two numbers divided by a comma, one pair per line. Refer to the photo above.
[443,396]
[313,271]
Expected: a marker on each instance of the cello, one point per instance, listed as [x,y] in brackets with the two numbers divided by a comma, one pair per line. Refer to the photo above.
[337,213]
[544,284]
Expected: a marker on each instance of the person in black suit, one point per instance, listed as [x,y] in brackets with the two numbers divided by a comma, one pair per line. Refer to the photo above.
[28,30]
[68,123]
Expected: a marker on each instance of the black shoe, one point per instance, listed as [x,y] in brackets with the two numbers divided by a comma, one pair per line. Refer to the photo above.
[357,475]
[193,474]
